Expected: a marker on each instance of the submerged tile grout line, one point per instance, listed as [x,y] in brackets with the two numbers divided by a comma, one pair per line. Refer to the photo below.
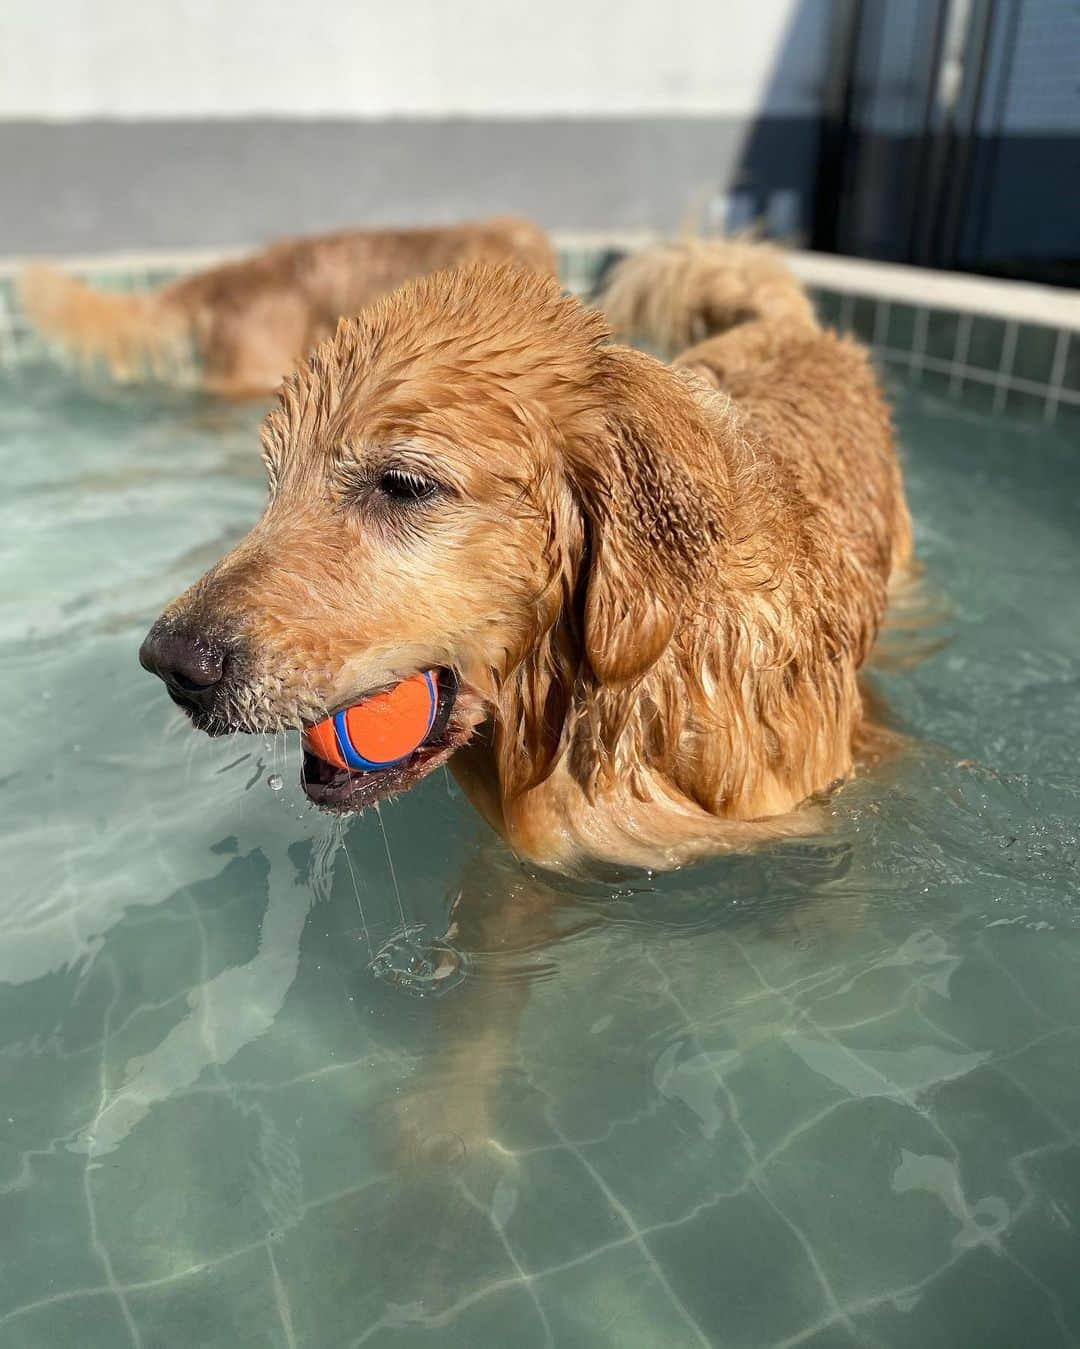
[192,1271]
[750,1149]
[636,1236]
[960,353]
[1005,369]
[1057,374]
[511,1254]
[904,1094]
[281,1298]
[96,1243]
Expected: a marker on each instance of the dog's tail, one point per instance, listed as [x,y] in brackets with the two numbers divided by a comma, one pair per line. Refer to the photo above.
[676,294]
[135,336]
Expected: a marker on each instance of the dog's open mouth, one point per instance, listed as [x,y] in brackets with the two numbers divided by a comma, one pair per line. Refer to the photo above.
[339,789]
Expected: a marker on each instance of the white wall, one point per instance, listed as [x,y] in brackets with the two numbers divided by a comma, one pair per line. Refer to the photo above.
[69,59]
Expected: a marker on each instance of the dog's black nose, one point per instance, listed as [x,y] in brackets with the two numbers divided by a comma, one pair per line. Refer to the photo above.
[190,664]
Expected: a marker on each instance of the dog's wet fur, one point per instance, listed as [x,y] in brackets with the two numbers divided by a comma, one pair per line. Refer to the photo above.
[239,328]
[650,587]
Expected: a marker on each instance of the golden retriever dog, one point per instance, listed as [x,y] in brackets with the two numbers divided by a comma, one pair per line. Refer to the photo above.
[239,328]
[648,589]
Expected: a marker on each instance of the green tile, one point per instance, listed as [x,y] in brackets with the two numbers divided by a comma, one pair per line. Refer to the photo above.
[991,1120]
[1035,349]
[837,1181]
[936,382]
[1047,1072]
[942,333]
[551,1209]
[705,1165]
[93,1322]
[829,304]
[232,1302]
[1045,1236]
[1025,406]
[982,1300]
[901,333]
[986,344]
[863,316]
[616,1300]
[741,1272]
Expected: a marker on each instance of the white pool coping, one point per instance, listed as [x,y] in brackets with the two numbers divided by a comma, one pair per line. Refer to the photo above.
[1018,301]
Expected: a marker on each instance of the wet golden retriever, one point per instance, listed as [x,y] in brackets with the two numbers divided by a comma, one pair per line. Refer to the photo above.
[648,589]
[239,328]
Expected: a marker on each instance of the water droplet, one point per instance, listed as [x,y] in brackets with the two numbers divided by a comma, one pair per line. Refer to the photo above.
[425,968]
[274,782]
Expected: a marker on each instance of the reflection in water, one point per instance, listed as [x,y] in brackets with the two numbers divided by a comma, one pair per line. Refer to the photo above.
[226,1012]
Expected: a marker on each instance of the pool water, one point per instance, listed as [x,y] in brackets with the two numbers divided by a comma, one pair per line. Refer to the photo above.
[825,1095]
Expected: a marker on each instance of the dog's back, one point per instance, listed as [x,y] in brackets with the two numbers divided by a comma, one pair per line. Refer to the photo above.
[810,396]
[238,328]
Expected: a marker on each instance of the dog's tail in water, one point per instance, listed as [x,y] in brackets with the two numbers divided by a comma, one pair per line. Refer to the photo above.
[134,336]
[673,295]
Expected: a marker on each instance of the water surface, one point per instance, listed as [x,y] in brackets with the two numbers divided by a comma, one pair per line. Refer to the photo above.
[825,1095]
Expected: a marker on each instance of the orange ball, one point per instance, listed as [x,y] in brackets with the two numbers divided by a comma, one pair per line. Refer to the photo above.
[380,731]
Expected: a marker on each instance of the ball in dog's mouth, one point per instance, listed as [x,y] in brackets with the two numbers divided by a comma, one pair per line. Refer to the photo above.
[383,744]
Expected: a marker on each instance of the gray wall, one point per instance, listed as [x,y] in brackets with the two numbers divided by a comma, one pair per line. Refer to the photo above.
[201,122]
[94,186]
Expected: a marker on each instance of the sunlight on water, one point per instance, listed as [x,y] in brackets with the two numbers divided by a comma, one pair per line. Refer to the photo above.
[826,1094]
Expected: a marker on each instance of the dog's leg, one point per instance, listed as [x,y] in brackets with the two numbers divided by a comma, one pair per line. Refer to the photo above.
[501,923]
[438,1141]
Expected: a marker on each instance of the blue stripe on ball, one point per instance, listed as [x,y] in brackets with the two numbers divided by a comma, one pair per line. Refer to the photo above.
[357,761]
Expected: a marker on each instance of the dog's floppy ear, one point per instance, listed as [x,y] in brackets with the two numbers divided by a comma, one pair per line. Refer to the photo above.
[651,525]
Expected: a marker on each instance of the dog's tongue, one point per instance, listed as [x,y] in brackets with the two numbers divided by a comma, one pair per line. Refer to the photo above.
[381,730]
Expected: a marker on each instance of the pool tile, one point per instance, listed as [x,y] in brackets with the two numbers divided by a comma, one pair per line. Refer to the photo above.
[1047,1072]
[406,1250]
[894,1162]
[1035,349]
[984,1008]
[777,1094]
[864,317]
[551,1208]
[1040,960]
[935,382]
[829,306]
[742,1272]
[615,1300]
[1023,405]
[942,333]
[145,1217]
[982,1300]
[1052,1208]
[91,1322]
[991,1120]
[986,345]
[901,333]
[661,1165]
[231,1302]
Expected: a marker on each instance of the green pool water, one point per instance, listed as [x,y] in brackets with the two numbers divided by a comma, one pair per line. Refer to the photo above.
[825,1095]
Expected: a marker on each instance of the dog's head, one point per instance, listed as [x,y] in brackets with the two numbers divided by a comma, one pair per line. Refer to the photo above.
[451,488]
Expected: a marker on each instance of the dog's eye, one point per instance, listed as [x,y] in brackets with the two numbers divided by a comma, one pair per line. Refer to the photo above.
[400,485]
